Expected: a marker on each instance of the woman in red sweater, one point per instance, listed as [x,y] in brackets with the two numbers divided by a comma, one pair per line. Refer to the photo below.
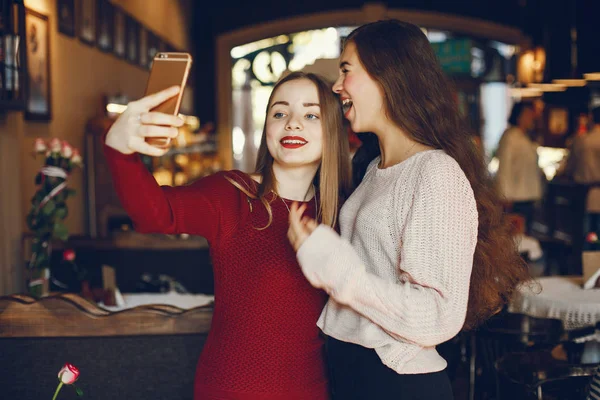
[264,342]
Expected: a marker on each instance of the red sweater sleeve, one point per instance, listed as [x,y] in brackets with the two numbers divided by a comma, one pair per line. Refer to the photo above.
[204,208]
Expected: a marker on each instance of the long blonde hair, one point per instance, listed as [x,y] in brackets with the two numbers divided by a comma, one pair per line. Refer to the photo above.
[332,177]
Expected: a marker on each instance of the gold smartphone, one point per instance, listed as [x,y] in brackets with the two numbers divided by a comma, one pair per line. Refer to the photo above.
[168,69]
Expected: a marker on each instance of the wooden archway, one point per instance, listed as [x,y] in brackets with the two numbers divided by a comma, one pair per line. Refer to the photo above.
[368,13]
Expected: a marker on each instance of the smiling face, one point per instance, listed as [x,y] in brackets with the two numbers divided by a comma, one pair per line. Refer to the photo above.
[294,131]
[361,96]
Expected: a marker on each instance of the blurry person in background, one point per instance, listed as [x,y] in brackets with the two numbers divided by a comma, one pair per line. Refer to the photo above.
[519,179]
[583,166]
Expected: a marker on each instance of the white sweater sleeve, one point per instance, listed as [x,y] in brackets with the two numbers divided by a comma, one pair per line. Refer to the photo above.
[429,305]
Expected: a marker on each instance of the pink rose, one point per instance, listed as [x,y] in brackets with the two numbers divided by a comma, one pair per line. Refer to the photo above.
[76,159]
[39,146]
[55,145]
[67,150]
[591,237]
[69,255]
[68,374]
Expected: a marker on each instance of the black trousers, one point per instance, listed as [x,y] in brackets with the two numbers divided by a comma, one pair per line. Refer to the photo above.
[358,373]
[527,210]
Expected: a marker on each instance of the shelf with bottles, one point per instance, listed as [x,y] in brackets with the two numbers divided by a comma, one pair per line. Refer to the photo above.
[12,55]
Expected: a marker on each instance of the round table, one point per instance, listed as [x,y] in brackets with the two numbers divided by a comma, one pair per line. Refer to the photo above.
[559,297]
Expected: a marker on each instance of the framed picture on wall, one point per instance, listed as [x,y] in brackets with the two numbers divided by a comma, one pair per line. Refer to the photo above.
[132,35]
[161,47]
[152,47]
[87,21]
[104,25]
[38,104]
[171,48]
[119,36]
[65,11]
[143,50]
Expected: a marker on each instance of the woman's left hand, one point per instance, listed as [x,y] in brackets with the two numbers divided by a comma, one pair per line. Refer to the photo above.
[300,227]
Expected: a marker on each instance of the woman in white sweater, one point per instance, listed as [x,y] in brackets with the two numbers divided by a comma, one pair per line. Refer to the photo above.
[424,248]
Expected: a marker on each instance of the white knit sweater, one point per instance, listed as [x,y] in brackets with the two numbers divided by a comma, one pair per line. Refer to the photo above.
[399,274]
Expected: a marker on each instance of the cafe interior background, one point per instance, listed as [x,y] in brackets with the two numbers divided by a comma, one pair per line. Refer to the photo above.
[68,68]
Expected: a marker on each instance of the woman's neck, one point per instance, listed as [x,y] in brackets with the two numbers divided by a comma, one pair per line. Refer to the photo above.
[396,145]
[295,183]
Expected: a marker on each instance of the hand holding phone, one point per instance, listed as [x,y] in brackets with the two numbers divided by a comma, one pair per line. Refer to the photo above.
[128,134]
[168,69]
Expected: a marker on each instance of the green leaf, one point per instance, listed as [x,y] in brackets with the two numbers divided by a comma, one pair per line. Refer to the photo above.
[36,246]
[37,198]
[78,391]
[60,231]
[62,196]
[49,207]
[61,213]
[41,260]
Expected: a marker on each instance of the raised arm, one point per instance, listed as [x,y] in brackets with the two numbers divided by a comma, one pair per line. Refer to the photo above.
[195,209]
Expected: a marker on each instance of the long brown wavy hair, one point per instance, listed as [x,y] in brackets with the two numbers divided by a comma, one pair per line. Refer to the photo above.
[333,176]
[419,100]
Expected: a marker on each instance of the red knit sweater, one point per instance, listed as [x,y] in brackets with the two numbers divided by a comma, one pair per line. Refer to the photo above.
[264,342]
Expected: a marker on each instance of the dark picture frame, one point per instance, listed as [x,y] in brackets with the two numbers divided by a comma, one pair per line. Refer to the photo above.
[120,32]
[152,47]
[65,14]
[104,25]
[143,60]
[170,48]
[132,34]
[162,46]
[38,104]
[86,21]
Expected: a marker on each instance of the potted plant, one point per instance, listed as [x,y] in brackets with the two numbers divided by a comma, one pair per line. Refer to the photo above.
[49,208]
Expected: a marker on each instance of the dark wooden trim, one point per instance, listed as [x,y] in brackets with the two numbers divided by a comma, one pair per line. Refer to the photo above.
[128,241]
[69,315]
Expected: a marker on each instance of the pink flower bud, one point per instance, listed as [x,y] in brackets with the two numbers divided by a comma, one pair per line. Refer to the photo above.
[39,146]
[69,255]
[591,237]
[55,145]
[67,150]
[68,374]
[76,159]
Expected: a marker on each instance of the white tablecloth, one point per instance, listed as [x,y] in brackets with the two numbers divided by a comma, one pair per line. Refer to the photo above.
[561,298]
[184,301]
